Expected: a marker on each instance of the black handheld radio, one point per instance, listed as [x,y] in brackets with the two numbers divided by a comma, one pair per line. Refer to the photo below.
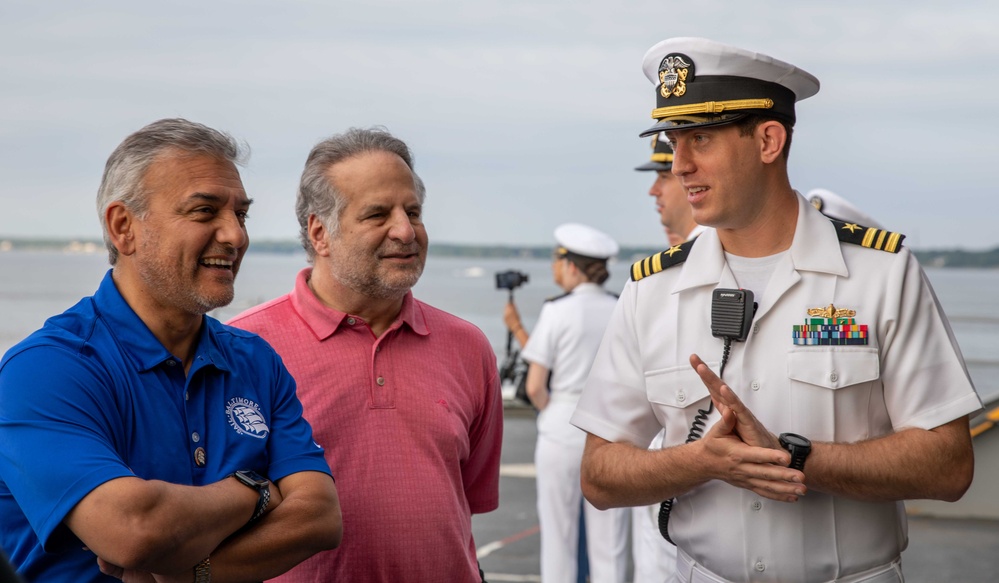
[731,316]
[732,312]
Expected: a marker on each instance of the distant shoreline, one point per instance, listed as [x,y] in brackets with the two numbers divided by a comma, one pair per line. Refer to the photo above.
[929,258]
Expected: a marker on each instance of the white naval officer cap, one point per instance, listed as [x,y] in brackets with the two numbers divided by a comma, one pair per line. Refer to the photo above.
[585,241]
[836,207]
[700,82]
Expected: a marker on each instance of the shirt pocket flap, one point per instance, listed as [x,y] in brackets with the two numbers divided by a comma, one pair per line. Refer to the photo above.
[678,387]
[833,367]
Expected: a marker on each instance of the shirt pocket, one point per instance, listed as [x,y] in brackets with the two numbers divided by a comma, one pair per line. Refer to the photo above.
[835,393]
[676,395]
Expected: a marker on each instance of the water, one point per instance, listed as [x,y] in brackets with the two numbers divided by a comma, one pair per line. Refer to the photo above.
[36,285]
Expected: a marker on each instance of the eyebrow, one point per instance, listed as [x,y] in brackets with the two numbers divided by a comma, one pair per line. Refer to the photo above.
[216,198]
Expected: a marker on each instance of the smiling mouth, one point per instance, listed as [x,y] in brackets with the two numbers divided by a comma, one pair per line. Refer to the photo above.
[215,263]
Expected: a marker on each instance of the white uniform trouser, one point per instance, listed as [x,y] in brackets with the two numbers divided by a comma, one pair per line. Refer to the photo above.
[689,571]
[557,461]
[655,559]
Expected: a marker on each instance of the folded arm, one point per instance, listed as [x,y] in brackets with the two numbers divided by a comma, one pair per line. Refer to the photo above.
[155,526]
[305,521]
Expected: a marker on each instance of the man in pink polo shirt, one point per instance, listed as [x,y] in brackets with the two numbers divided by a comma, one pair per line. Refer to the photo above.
[403,397]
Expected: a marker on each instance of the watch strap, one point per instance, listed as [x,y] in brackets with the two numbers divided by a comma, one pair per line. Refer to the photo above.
[262,502]
[797,459]
[203,571]
[262,485]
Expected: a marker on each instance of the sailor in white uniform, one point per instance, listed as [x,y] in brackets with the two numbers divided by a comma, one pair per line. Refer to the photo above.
[842,394]
[560,351]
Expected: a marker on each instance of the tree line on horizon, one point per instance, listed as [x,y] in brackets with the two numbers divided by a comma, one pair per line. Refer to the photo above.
[927,257]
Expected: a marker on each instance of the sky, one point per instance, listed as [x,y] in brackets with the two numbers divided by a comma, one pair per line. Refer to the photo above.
[522,114]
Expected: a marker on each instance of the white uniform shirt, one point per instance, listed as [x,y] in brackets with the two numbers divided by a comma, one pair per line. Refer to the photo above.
[564,341]
[911,374]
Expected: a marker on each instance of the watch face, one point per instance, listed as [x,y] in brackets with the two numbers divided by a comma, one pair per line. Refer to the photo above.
[795,440]
[251,478]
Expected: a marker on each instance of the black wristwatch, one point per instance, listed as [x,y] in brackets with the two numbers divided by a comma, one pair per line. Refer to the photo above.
[260,484]
[799,448]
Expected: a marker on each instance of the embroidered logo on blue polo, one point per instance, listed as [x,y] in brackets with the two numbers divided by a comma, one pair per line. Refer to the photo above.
[245,417]
[830,326]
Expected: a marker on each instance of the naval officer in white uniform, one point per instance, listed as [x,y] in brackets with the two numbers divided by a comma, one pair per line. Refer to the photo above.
[848,394]
[559,351]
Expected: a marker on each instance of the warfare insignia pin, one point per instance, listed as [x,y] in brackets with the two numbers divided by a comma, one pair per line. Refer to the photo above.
[830,326]
[675,71]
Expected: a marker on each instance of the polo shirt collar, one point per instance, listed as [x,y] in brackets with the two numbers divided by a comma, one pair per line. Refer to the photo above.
[136,339]
[324,320]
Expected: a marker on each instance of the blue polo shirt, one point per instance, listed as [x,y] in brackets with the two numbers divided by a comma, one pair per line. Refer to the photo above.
[94,396]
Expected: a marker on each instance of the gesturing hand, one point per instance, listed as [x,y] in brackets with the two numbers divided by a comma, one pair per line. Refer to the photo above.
[746,425]
[747,455]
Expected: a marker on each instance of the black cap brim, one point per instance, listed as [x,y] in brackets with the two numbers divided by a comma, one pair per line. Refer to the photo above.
[690,122]
[657,166]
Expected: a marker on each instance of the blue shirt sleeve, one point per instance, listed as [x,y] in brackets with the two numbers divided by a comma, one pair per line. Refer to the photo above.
[56,441]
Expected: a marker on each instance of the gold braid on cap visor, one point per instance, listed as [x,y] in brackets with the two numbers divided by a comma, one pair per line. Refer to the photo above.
[662,157]
[711,107]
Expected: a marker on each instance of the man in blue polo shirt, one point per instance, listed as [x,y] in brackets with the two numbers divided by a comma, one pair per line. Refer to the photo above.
[140,438]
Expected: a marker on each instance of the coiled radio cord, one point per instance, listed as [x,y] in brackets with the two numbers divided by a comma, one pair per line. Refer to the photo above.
[696,432]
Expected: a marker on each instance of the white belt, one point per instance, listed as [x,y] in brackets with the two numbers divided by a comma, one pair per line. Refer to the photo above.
[690,571]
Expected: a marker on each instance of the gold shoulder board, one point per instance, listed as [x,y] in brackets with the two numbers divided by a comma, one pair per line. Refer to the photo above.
[869,237]
[653,264]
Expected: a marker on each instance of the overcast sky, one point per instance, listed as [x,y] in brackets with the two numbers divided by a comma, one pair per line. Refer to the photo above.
[523,114]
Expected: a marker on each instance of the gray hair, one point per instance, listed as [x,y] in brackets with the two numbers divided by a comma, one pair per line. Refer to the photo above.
[126,167]
[316,193]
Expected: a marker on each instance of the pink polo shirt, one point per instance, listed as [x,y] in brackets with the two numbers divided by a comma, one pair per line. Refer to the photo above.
[412,425]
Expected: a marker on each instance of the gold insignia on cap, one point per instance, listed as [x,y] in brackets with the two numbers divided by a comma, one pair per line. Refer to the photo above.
[673,73]
[831,311]
[712,107]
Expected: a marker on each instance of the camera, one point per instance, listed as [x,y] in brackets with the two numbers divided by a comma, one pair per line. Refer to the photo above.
[510,280]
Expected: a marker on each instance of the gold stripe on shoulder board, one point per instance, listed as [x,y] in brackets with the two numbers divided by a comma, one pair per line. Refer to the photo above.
[870,237]
[655,263]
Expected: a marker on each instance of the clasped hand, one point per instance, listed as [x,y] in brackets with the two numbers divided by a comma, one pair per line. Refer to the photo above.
[746,454]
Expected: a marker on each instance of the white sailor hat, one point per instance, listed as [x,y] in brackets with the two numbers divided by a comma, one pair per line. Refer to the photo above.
[584,241]
[836,207]
[700,82]
[662,155]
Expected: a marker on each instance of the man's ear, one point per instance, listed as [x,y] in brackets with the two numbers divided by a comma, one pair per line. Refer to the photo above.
[772,136]
[318,236]
[121,225]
